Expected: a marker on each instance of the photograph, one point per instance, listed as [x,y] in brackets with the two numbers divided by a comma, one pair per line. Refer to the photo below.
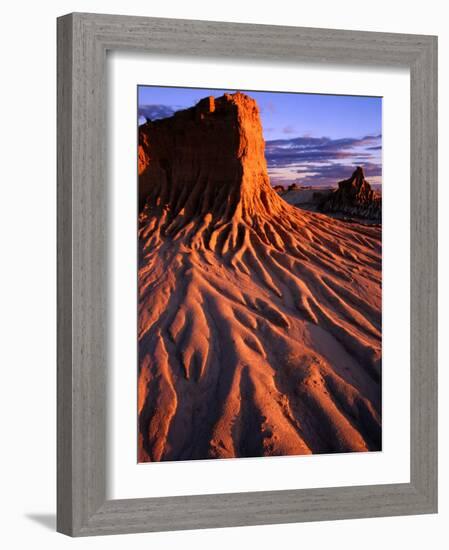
[220,283]
[259,277]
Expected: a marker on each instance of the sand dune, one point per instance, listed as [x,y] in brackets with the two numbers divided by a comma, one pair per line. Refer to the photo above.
[259,323]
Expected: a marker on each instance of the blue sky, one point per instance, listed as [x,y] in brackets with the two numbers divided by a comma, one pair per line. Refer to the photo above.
[311,139]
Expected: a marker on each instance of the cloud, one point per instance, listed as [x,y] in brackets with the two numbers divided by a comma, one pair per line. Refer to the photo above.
[306,145]
[155,111]
[337,171]
[322,161]
[268,106]
[288,130]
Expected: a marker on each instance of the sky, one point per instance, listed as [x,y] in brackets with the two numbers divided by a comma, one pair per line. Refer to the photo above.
[310,139]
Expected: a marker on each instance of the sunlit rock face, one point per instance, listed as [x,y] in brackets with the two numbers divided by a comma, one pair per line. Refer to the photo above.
[207,159]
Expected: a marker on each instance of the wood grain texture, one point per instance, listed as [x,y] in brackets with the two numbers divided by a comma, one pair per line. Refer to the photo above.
[64,277]
[83,40]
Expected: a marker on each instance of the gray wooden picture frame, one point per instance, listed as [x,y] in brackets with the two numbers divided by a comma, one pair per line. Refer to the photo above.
[83,40]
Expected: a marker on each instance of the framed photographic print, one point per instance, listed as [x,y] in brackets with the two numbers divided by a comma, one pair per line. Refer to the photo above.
[247,284]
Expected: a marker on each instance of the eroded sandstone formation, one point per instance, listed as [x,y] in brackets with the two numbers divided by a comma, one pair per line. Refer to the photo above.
[259,323]
[354,197]
[207,159]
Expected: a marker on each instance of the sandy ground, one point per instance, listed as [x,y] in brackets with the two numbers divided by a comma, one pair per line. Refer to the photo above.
[260,341]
